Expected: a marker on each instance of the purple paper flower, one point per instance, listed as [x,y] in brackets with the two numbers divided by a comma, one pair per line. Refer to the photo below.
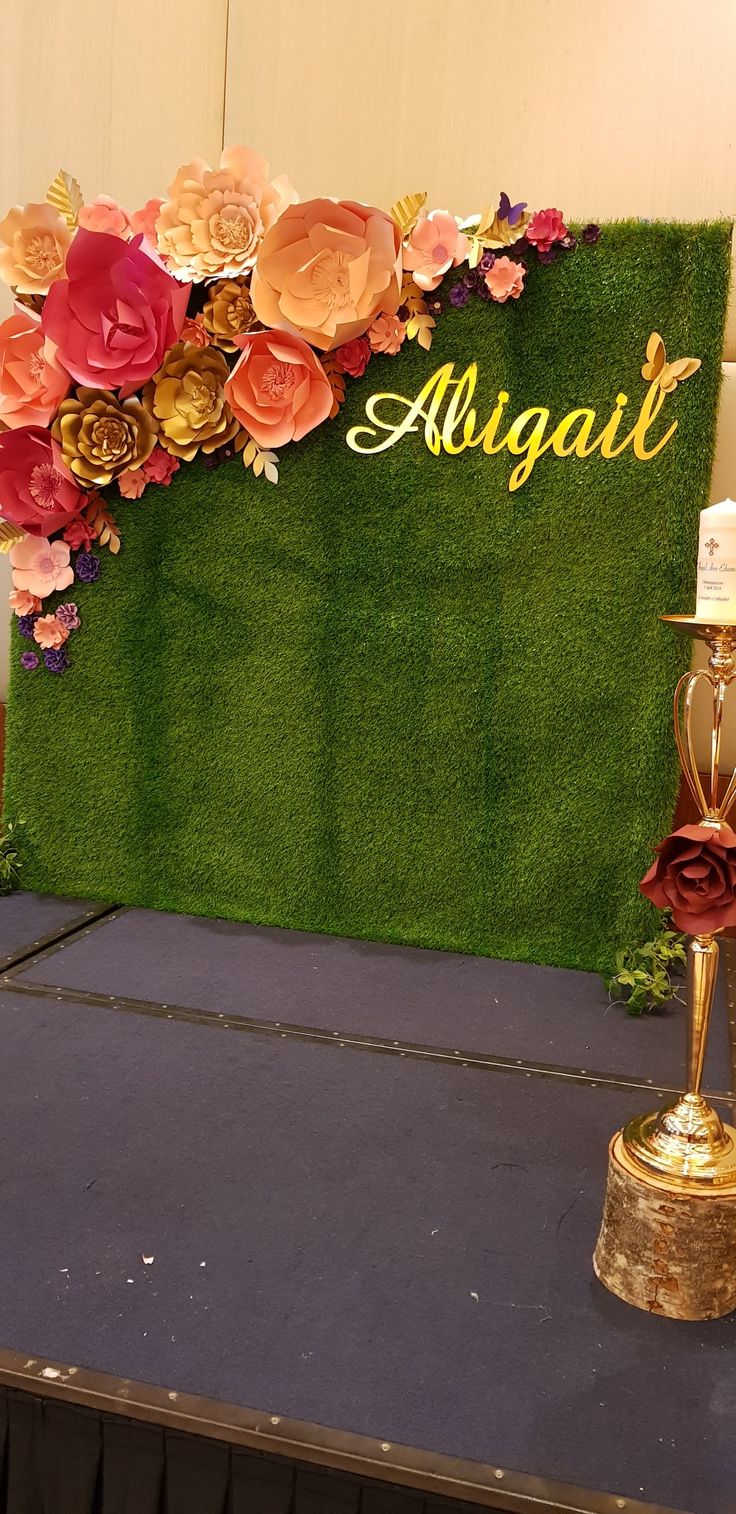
[459,294]
[87,568]
[470,279]
[219,456]
[569,242]
[29,661]
[56,660]
[591,232]
[69,617]
[435,304]
[483,292]
[548,254]
[487,261]
[26,624]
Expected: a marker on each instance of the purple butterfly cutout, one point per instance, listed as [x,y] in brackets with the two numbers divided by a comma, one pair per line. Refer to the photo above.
[509,212]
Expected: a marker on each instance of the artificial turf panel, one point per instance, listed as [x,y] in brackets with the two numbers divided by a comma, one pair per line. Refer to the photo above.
[388,698]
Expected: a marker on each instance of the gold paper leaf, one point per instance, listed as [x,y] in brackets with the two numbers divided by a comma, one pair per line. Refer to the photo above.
[337,382]
[66,196]
[263,464]
[491,231]
[420,324]
[9,535]
[105,525]
[406,212]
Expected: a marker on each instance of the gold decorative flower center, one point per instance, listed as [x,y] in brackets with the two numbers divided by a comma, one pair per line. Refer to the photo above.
[331,280]
[279,381]
[240,314]
[41,252]
[109,438]
[199,394]
[37,367]
[44,485]
[232,228]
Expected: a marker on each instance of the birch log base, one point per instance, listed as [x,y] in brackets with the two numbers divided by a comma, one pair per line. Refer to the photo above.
[669,1252]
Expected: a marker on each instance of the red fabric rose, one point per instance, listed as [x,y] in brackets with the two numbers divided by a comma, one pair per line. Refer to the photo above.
[353,357]
[37,491]
[115,314]
[546,228]
[695,876]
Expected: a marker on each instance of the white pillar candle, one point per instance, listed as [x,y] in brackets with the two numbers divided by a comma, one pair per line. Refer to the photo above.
[716,599]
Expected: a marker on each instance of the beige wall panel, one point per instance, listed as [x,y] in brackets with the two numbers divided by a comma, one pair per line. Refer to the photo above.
[119,92]
[603,109]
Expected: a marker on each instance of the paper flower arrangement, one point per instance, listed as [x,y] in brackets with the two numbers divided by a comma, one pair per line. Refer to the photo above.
[221,319]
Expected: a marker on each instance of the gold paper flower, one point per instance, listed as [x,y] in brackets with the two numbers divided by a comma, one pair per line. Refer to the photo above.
[34,241]
[187,399]
[101,436]
[228,312]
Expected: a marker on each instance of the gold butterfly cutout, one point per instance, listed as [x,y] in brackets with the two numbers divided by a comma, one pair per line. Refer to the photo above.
[668,375]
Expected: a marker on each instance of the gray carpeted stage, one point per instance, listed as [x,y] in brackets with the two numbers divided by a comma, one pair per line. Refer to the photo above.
[370,1179]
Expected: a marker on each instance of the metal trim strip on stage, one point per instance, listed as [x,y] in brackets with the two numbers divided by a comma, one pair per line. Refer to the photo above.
[46,945]
[296,1440]
[284,1030]
[105,915]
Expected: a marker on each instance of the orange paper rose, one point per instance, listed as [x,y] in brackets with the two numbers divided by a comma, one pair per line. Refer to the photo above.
[34,241]
[32,382]
[214,218]
[326,269]
[278,389]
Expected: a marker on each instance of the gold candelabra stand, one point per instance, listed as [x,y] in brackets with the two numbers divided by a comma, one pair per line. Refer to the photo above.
[687,1145]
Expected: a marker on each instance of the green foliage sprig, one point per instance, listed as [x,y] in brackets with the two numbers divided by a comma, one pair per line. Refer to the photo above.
[9,859]
[643,980]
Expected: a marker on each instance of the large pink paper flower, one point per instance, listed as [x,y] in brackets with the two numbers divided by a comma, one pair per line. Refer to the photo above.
[32,382]
[104,214]
[34,240]
[214,219]
[435,244]
[278,389]
[505,280]
[115,314]
[37,491]
[326,269]
[41,566]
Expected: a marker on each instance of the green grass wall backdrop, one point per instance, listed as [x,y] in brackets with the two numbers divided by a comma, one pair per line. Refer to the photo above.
[387,698]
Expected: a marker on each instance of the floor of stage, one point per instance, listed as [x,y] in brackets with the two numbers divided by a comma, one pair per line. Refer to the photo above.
[367,1180]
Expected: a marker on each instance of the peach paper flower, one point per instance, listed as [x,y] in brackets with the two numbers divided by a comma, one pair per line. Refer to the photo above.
[34,241]
[278,389]
[326,269]
[435,245]
[104,214]
[214,219]
[505,280]
[32,382]
[194,331]
[23,603]
[49,632]
[387,334]
[40,566]
[144,221]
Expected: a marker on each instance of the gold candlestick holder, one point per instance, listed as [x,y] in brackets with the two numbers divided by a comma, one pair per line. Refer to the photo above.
[668,1239]
[687,1144]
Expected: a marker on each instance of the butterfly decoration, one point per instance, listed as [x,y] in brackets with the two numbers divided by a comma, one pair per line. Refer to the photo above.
[667,375]
[508,212]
